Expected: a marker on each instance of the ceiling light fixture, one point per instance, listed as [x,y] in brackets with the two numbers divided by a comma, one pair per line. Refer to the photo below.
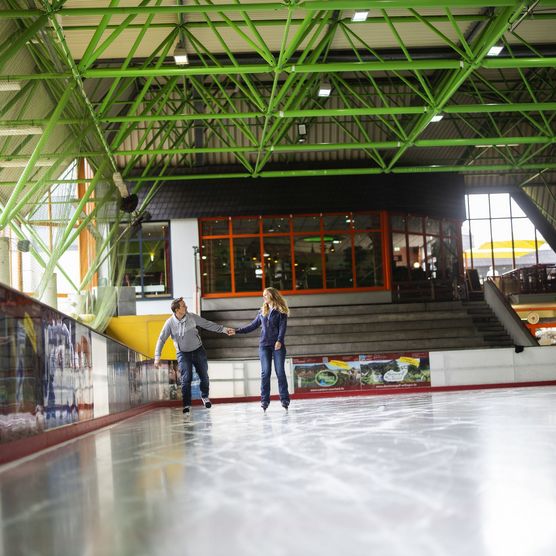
[180,56]
[7,85]
[437,117]
[22,130]
[325,89]
[301,133]
[360,15]
[495,50]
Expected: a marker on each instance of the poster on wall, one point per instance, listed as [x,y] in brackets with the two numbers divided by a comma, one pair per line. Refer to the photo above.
[391,370]
[330,373]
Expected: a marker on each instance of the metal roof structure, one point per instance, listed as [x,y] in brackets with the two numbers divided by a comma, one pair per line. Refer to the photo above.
[275,89]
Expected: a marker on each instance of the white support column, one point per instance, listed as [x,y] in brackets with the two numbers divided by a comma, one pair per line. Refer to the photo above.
[5,268]
[50,295]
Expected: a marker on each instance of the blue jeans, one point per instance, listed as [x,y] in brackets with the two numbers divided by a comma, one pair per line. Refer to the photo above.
[266,355]
[186,361]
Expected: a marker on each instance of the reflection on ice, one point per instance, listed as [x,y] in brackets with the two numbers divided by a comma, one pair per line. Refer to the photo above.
[420,474]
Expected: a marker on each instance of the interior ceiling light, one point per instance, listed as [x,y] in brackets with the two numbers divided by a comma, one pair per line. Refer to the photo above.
[21,130]
[180,56]
[360,15]
[23,163]
[6,85]
[301,133]
[495,50]
[325,89]
[437,117]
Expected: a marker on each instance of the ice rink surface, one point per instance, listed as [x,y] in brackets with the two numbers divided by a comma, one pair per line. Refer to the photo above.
[467,473]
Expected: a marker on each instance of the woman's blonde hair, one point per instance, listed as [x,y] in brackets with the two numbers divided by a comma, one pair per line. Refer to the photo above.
[279,303]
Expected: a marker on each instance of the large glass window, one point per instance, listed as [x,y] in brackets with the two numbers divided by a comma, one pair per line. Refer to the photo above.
[292,253]
[147,266]
[247,264]
[278,262]
[498,237]
[338,258]
[423,248]
[308,262]
[368,259]
[215,265]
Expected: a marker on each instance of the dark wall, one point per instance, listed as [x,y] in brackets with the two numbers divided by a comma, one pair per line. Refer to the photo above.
[440,195]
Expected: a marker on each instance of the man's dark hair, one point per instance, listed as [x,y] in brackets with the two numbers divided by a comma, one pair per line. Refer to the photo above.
[176,304]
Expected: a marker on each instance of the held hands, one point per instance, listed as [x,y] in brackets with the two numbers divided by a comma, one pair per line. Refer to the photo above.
[277,345]
[230,331]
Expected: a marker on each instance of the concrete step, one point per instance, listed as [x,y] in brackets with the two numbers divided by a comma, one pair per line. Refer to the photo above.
[341,337]
[355,318]
[355,348]
[357,329]
[339,310]
[295,328]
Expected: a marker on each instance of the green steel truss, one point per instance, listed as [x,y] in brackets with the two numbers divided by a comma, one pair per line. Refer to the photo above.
[99,80]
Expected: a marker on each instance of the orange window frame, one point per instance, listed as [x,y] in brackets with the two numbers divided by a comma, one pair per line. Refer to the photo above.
[292,234]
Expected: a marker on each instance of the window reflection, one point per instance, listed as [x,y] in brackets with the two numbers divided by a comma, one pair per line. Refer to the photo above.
[426,250]
[247,264]
[306,224]
[215,265]
[368,260]
[147,266]
[308,262]
[248,225]
[338,257]
[278,264]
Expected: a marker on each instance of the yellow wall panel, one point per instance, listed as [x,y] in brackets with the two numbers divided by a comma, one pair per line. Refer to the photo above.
[140,332]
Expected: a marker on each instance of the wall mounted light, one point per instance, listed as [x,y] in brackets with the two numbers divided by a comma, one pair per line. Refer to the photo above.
[325,89]
[301,133]
[495,50]
[360,15]
[180,56]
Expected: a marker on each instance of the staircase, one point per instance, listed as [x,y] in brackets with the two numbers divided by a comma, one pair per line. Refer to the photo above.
[360,329]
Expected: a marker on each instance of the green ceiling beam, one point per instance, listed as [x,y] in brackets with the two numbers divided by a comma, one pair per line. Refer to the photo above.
[309,5]
[304,147]
[421,143]
[20,40]
[77,80]
[385,4]
[125,131]
[170,71]
[335,67]
[451,82]
[7,213]
[307,113]
[436,168]
[415,65]
[515,63]
[68,27]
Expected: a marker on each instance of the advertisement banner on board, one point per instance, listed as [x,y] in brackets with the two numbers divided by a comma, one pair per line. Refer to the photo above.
[391,370]
[327,373]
